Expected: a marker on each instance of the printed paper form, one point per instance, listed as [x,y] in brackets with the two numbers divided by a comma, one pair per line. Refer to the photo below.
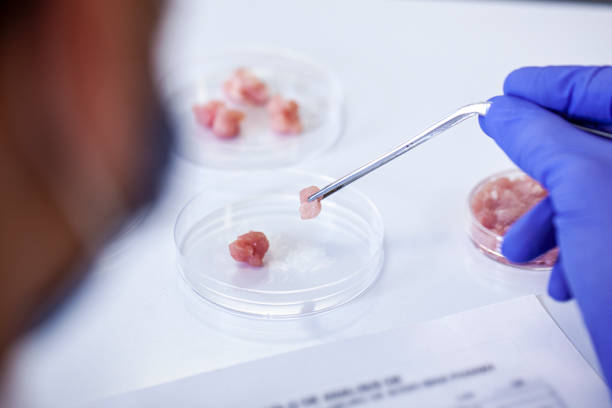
[506,355]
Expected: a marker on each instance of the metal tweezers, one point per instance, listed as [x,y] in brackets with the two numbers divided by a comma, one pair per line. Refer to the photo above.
[448,122]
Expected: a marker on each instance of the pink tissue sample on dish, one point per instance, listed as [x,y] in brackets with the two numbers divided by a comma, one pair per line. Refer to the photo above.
[227,123]
[244,87]
[250,248]
[205,114]
[309,210]
[500,203]
[223,121]
[284,115]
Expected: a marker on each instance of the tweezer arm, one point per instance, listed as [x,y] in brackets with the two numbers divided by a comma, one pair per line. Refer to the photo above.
[457,117]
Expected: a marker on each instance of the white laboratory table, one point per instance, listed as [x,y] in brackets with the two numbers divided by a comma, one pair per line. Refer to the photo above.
[403,65]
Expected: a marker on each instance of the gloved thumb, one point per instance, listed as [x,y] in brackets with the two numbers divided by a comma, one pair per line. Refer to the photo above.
[532,235]
[558,288]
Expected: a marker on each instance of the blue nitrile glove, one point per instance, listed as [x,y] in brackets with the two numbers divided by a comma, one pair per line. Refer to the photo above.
[576,168]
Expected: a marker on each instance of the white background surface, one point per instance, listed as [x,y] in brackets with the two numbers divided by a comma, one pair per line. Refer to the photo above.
[404,65]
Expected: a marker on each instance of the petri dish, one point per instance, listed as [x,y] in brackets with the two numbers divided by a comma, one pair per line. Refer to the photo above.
[319,325]
[312,265]
[312,85]
[488,241]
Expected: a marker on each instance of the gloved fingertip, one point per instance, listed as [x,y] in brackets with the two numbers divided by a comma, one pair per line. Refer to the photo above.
[496,99]
[519,80]
[557,284]
[483,123]
[485,120]
[531,235]
[513,248]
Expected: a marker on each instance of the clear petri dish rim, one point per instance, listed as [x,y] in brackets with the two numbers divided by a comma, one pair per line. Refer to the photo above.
[379,237]
[474,224]
[347,283]
[173,85]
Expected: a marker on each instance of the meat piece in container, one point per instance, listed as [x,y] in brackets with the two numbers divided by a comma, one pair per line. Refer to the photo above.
[284,115]
[501,202]
[311,209]
[498,204]
[245,88]
[250,248]
[205,114]
[227,123]
[223,121]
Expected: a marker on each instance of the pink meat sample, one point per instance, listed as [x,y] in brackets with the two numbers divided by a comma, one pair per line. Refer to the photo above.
[227,123]
[284,115]
[309,210]
[500,203]
[205,114]
[245,88]
[223,121]
[250,248]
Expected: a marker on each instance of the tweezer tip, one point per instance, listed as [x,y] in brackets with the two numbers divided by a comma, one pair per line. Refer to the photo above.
[319,195]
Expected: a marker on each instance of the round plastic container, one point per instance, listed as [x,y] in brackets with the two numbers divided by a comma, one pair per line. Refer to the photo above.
[311,266]
[489,242]
[312,85]
[323,325]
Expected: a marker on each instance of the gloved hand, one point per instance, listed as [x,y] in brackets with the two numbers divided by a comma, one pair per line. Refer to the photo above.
[576,168]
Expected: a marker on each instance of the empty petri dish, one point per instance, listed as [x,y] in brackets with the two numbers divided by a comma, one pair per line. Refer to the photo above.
[496,203]
[312,85]
[311,266]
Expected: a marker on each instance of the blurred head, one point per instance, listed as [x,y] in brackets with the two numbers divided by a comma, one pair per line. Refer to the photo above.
[82,140]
